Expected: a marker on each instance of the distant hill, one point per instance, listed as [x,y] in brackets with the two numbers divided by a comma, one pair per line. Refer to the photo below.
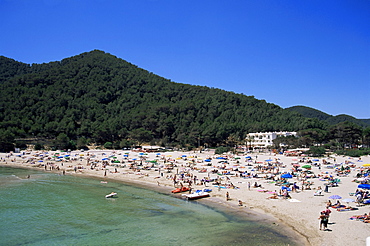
[332,120]
[99,96]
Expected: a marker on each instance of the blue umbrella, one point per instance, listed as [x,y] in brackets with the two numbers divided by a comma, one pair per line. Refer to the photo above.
[207,160]
[105,159]
[286,188]
[335,197]
[364,186]
[287,176]
[268,160]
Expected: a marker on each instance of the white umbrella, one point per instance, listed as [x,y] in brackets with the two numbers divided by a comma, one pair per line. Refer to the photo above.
[348,200]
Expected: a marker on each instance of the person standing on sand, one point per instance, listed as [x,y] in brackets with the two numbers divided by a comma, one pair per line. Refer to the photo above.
[326,188]
[227,196]
[323,220]
[327,213]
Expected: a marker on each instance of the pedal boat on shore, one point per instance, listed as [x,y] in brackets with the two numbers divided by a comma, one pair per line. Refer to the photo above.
[197,195]
[111,195]
[182,189]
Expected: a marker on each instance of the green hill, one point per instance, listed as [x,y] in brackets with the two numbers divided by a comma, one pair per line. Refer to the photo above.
[99,96]
[330,119]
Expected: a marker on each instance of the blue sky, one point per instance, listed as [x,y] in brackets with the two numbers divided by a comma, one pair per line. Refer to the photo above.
[313,53]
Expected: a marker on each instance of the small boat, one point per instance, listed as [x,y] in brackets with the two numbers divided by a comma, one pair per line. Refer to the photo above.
[111,195]
[182,189]
[197,195]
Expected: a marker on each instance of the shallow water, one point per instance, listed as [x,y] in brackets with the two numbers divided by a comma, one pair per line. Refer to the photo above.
[49,209]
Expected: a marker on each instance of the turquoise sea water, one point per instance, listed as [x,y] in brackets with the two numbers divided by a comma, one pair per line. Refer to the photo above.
[49,209]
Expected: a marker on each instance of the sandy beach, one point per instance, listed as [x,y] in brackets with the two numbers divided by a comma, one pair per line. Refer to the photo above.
[235,175]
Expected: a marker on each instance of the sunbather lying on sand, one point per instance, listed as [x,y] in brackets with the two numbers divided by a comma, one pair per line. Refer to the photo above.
[360,217]
[345,208]
[274,196]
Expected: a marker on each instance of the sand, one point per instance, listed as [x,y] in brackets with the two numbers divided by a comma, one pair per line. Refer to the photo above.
[300,213]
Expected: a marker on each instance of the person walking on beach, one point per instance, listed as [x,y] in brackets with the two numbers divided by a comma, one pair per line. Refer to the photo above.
[227,196]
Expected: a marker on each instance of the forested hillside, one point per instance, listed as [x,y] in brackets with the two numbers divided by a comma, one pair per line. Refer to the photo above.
[330,119]
[100,97]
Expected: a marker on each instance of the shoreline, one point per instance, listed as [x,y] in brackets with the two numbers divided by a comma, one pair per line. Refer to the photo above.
[298,220]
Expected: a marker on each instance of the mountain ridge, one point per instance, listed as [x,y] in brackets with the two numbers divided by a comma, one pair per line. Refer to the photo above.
[332,120]
[99,96]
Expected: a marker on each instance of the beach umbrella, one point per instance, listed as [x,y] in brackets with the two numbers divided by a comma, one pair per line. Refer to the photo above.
[364,186]
[335,197]
[158,154]
[105,159]
[315,160]
[287,176]
[366,165]
[268,160]
[306,166]
[348,200]
[248,157]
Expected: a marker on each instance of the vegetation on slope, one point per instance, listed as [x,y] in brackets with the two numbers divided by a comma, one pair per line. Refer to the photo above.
[330,119]
[100,97]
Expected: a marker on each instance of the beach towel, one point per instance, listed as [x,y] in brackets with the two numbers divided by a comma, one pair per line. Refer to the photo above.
[293,200]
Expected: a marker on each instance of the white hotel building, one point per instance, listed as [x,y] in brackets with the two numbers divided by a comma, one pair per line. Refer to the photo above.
[262,140]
